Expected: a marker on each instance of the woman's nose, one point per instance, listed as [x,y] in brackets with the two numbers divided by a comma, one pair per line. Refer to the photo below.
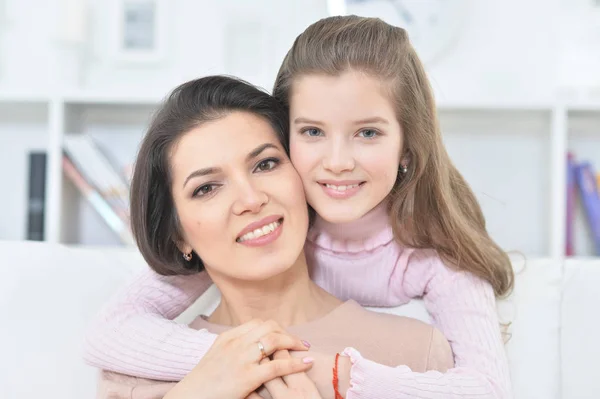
[250,199]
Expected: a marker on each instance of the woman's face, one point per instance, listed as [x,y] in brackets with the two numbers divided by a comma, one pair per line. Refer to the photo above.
[345,142]
[239,200]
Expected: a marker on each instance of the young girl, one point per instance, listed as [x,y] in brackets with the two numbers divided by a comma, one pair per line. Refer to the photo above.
[395,220]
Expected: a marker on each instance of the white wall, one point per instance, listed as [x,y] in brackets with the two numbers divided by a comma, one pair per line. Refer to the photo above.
[507,51]
[202,41]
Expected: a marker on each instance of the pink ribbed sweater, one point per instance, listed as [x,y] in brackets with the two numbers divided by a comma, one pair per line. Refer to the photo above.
[134,334]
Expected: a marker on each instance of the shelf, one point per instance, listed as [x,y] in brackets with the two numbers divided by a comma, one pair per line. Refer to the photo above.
[23,97]
[584,107]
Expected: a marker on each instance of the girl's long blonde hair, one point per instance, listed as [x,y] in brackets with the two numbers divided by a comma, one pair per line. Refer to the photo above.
[431,206]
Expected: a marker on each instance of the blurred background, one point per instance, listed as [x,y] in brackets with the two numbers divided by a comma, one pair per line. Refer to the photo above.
[517,84]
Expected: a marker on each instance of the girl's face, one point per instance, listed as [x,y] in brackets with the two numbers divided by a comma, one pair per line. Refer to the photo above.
[239,200]
[345,142]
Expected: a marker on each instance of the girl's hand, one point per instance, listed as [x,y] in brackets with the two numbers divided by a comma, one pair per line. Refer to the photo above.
[232,367]
[290,386]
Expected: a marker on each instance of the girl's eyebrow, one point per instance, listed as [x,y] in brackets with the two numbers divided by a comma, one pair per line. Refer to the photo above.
[375,119]
[307,121]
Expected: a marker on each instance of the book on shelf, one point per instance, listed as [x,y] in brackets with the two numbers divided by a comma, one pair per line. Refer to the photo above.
[37,196]
[570,222]
[590,198]
[99,182]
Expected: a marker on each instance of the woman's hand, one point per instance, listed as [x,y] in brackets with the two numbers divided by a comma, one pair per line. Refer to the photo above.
[232,367]
[290,386]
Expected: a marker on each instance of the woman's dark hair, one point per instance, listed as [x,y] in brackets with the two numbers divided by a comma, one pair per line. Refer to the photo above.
[154,220]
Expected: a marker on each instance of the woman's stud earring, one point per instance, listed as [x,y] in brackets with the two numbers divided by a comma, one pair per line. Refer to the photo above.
[403,169]
[187,257]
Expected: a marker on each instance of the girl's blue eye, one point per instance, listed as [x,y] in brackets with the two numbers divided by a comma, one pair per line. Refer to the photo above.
[368,134]
[313,132]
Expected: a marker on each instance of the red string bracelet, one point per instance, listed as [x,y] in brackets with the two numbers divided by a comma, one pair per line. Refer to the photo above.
[335,381]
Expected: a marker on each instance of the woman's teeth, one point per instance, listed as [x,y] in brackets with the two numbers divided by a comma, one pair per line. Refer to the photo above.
[341,188]
[266,229]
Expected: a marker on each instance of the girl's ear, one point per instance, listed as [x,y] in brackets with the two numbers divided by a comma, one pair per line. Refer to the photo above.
[405,160]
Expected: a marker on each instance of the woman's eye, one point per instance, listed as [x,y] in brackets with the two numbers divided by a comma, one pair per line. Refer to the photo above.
[267,164]
[312,132]
[368,134]
[203,190]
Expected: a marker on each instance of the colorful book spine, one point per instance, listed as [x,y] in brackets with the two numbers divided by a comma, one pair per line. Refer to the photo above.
[570,239]
[98,172]
[112,218]
[586,180]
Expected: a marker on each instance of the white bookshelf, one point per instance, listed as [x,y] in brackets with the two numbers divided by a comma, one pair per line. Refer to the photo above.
[513,155]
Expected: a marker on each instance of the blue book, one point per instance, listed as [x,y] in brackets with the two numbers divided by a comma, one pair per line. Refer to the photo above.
[570,244]
[586,180]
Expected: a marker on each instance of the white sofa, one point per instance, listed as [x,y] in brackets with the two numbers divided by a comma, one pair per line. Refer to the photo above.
[49,293]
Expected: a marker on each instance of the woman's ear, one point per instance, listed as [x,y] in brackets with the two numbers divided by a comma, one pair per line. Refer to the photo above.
[186,251]
[184,247]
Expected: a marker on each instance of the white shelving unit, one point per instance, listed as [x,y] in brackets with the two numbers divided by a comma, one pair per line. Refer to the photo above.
[513,155]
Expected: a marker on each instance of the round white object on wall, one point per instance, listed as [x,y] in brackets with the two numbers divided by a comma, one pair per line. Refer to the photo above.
[432,25]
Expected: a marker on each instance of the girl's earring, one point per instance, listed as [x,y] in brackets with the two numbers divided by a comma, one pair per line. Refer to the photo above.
[187,257]
[403,169]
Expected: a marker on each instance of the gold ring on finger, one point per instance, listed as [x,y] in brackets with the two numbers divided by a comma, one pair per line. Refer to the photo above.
[261,347]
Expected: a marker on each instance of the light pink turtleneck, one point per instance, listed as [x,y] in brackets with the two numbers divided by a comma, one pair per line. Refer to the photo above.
[135,334]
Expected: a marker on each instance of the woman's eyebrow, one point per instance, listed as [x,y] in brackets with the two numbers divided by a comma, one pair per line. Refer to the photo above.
[212,170]
[258,150]
[201,172]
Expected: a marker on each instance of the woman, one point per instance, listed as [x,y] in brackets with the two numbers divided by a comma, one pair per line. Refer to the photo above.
[213,189]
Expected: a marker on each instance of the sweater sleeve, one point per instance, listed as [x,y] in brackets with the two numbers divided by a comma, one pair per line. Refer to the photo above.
[135,334]
[463,307]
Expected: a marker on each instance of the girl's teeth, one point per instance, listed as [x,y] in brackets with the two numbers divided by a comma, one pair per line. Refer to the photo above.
[266,229]
[341,188]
